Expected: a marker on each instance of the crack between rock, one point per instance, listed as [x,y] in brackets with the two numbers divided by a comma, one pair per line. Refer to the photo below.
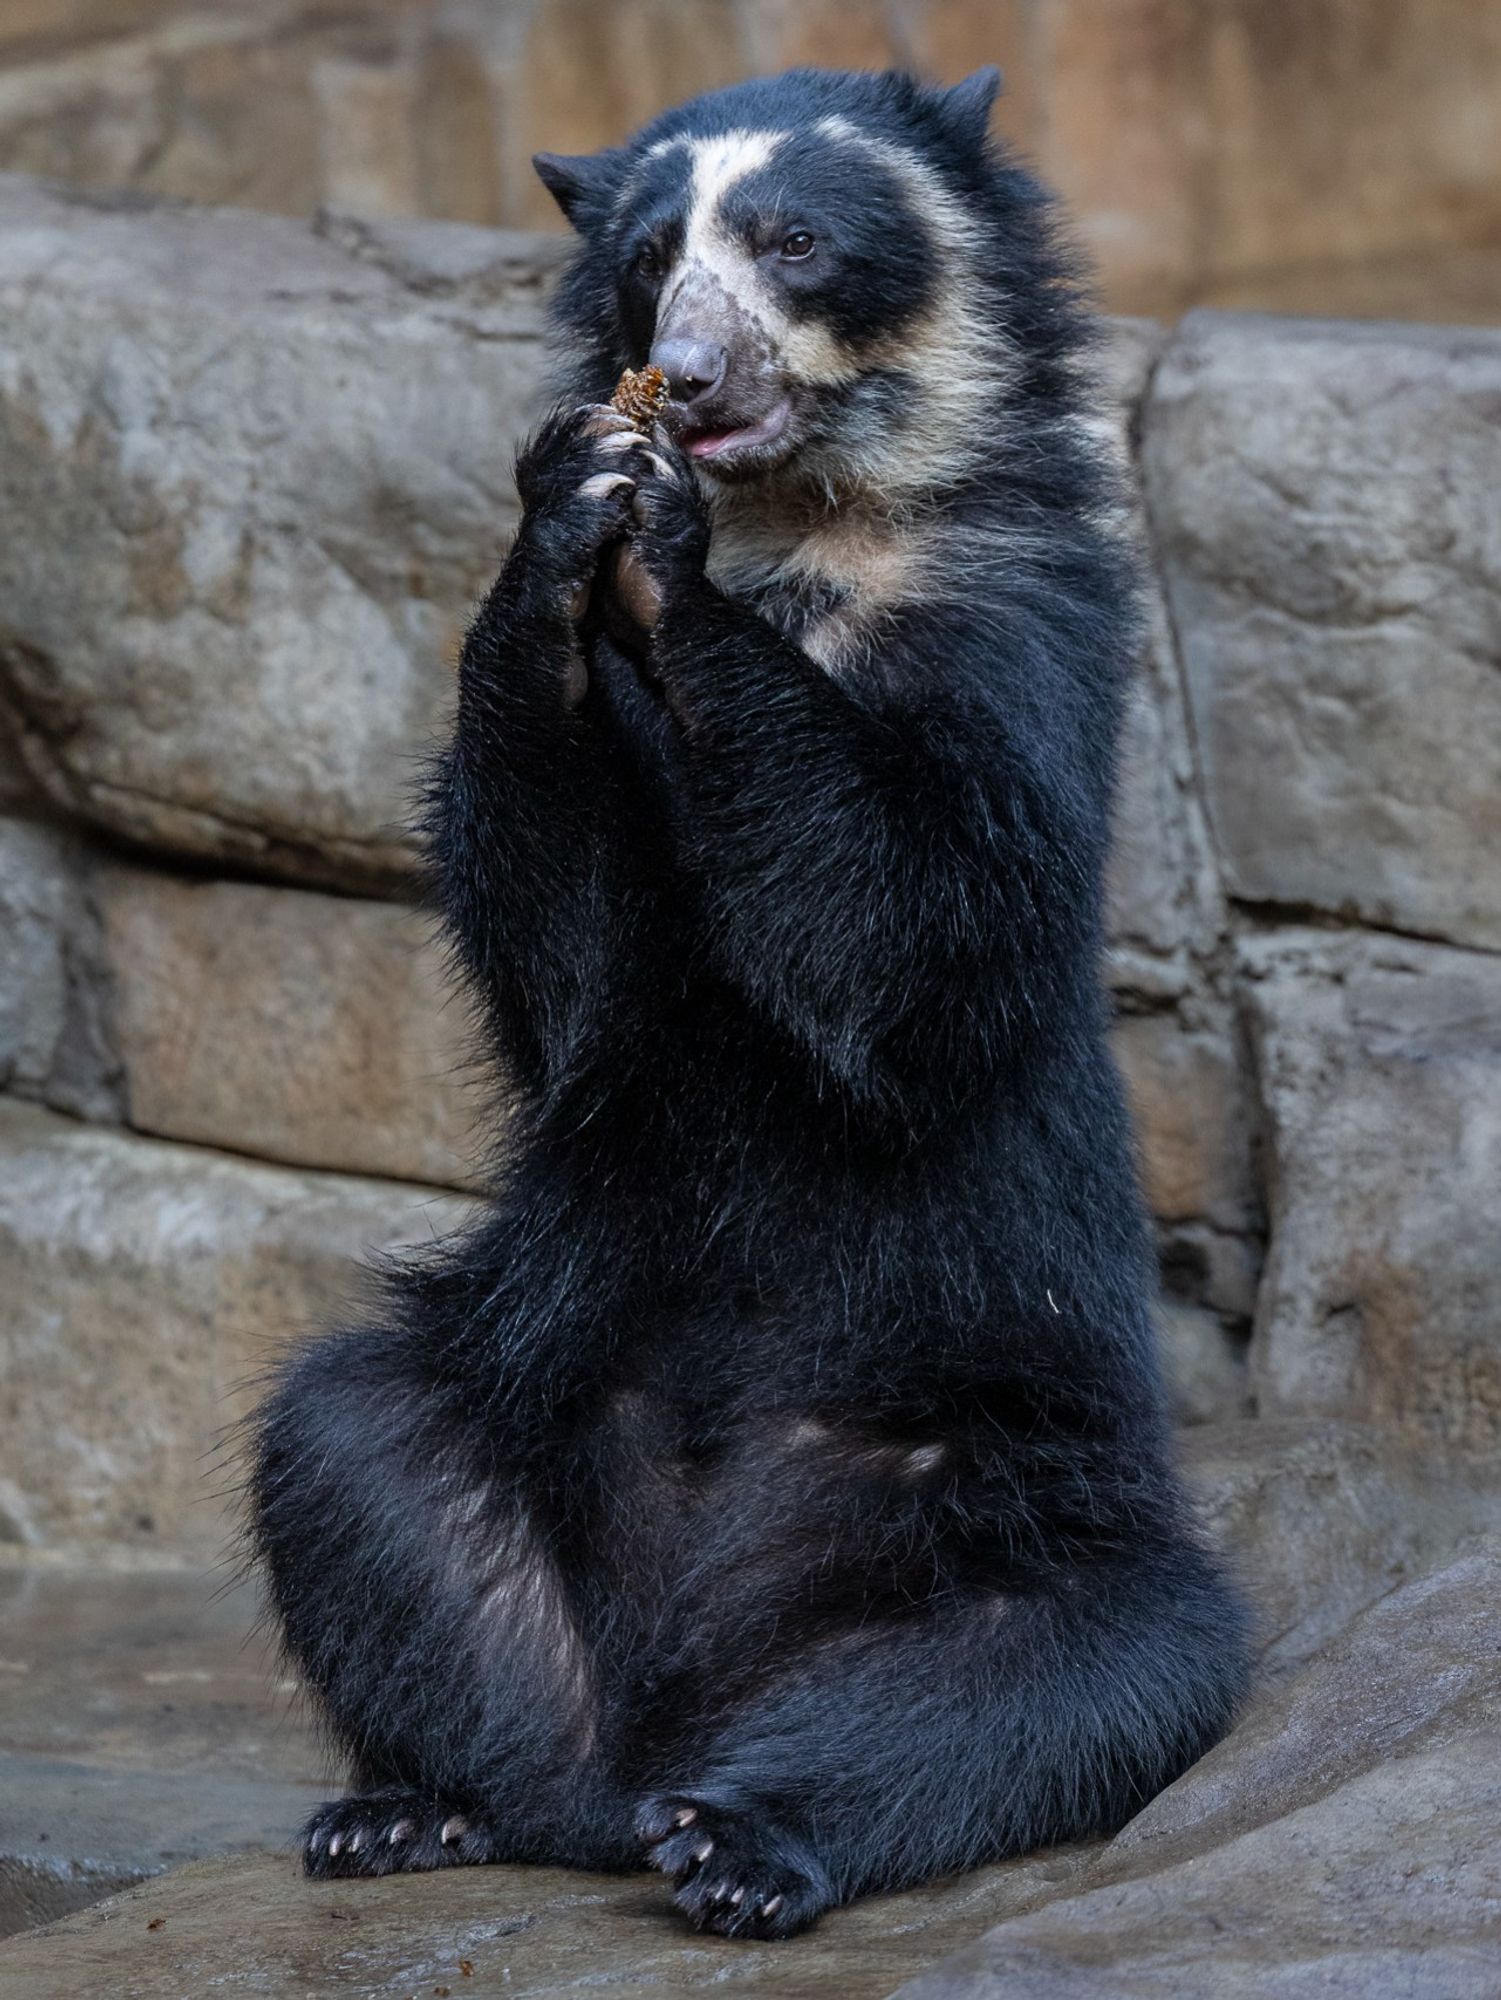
[1278,914]
[1170,620]
[223,1149]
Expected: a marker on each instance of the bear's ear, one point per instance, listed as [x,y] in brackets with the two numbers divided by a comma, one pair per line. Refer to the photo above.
[575,179]
[966,108]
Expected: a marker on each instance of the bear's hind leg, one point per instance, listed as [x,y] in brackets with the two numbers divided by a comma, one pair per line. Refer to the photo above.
[930,1742]
[429,1619]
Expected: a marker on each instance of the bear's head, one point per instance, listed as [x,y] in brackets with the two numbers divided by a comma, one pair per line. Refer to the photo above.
[805,257]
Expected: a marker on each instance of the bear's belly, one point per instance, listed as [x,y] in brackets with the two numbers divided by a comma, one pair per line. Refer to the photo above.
[781,1505]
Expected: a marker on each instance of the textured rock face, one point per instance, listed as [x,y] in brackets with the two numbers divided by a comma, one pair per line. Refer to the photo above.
[1334,573]
[147,1286]
[295,1026]
[53,1038]
[1346,1838]
[252,476]
[1380,1062]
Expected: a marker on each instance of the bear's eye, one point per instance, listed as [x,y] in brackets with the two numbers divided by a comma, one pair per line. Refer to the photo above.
[797,245]
[648,263]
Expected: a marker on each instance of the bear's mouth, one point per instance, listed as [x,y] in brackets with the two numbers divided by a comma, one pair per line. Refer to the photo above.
[717,445]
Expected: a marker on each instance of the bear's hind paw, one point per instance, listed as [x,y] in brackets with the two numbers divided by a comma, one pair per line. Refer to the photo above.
[736,1871]
[390,1832]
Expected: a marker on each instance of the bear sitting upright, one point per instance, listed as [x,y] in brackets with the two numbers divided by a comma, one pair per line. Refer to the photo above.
[772,1484]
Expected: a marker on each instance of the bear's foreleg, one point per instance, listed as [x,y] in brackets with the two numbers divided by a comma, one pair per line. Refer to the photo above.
[526,810]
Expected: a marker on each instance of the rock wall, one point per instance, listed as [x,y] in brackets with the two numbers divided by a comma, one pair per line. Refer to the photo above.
[1255,149]
[252,473]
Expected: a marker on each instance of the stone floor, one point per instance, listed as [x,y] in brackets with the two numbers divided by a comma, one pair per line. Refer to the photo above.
[144,1725]
[251,1926]
[140,1726]
[1345,1840]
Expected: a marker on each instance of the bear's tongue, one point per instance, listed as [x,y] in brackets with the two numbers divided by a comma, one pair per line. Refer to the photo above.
[707,444]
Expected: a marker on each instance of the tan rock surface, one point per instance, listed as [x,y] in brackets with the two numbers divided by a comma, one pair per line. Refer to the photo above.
[1319,1519]
[146,1286]
[313,1029]
[1380,1063]
[142,1724]
[254,1927]
[1322,497]
[1199,148]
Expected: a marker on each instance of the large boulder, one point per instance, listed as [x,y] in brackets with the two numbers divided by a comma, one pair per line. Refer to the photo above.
[1324,503]
[253,474]
[146,1287]
[1380,1064]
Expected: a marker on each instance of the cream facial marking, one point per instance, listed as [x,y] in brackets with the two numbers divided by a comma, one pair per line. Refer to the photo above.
[809,351]
[951,349]
[717,164]
[713,261]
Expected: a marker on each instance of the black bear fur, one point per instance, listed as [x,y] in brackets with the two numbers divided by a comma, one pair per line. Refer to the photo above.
[773,1483]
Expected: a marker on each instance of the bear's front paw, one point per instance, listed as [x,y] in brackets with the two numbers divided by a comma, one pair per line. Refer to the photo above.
[739,1871]
[669,534]
[577,479]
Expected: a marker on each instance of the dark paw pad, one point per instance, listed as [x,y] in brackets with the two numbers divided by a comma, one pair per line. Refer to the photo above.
[383,1833]
[735,1870]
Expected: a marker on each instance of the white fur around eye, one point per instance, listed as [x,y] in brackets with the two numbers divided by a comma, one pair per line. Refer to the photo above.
[708,247]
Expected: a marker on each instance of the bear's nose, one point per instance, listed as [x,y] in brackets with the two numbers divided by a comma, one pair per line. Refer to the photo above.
[692,367]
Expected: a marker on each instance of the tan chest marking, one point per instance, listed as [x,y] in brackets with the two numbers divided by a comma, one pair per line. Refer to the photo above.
[859,1452]
[851,570]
